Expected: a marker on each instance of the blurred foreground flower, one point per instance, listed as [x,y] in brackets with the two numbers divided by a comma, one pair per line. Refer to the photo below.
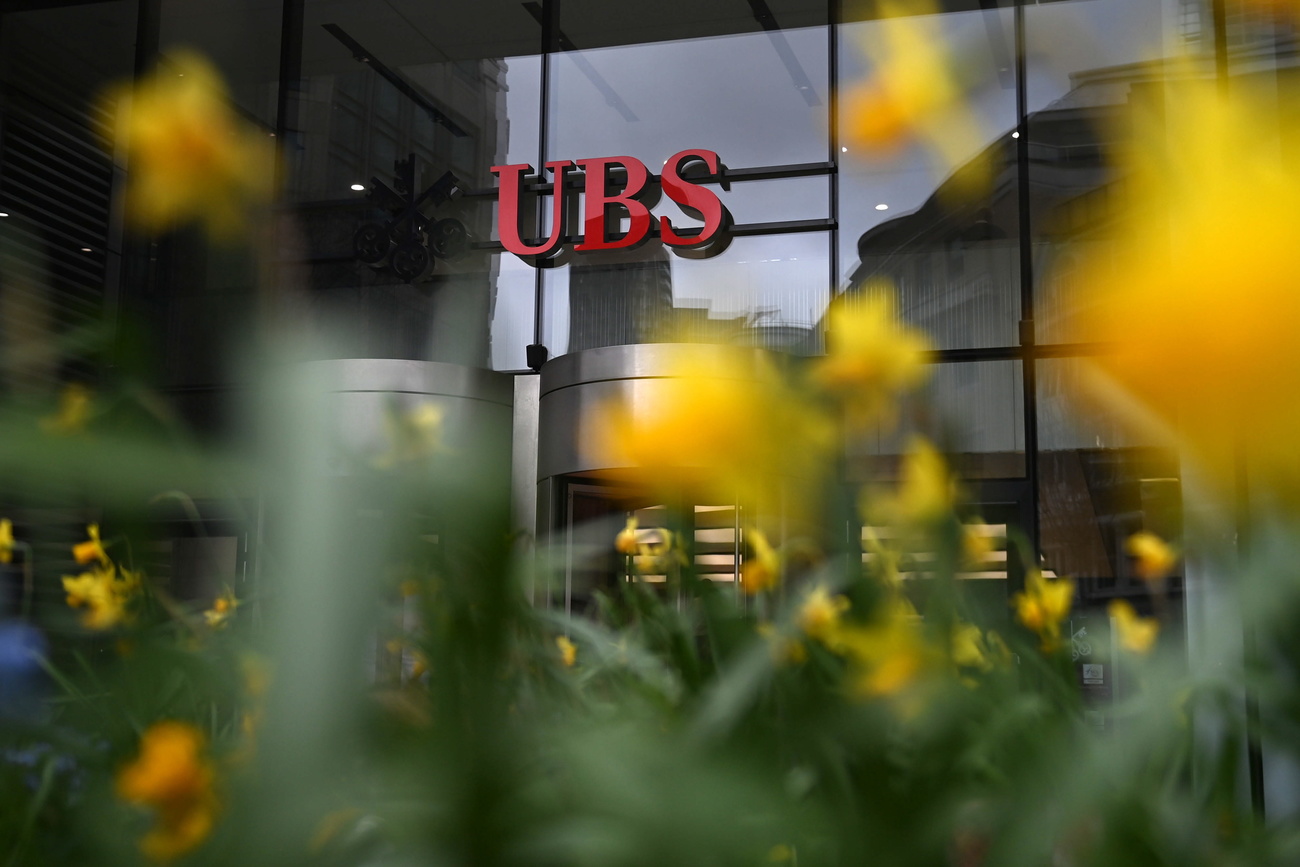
[73,412]
[1043,605]
[761,571]
[1196,286]
[1153,558]
[626,540]
[190,158]
[105,592]
[6,540]
[872,358]
[92,549]
[222,608]
[568,650]
[915,94]
[721,429]
[926,491]
[173,777]
[414,434]
[819,616]
[1136,633]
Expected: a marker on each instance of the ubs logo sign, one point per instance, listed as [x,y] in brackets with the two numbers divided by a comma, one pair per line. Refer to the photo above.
[614,190]
[617,189]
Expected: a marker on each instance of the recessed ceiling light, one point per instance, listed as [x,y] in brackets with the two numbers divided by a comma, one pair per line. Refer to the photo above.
[87,250]
[4,213]
[844,150]
[882,207]
[358,187]
[1015,134]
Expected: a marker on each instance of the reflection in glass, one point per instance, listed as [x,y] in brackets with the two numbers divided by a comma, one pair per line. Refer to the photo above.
[768,291]
[944,238]
[1098,484]
[1080,92]
[413,109]
[974,411]
[731,94]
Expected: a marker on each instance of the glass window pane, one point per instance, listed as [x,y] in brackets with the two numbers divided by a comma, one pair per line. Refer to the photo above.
[1087,63]
[1099,483]
[769,290]
[757,99]
[974,411]
[403,110]
[935,212]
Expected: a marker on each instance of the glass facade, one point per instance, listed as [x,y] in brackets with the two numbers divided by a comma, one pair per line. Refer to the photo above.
[390,118]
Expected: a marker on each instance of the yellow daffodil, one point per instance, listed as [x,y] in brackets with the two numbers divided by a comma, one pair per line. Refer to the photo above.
[1153,558]
[413,434]
[173,778]
[92,549]
[658,554]
[722,428]
[871,359]
[626,541]
[222,608]
[1137,634]
[73,411]
[105,592]
[1043,605]
[926,492]
[968,647]
[914,94]
[189,157]
[1195,286]
[6,540]
[976,546]
[819,615]
[568,650]
[885,658]
[761,571]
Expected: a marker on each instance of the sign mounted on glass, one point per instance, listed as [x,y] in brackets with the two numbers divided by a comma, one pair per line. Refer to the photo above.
[618,194]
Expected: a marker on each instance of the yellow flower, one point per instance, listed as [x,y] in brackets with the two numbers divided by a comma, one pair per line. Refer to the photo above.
[568,650]
[222,607]
[190,158]
[1196,284]
[658,556]
[968,648]
[6,540]
[73,412]
[626,541]
[718,430]
[914,94]
[1154,559]
[926,493]
[105,592]
[413,435]
[819,616]
[91,549]
[886,658]
[871,359]
[761,571]
[976,546]
[172,777]
[1043,605]
[1136,633]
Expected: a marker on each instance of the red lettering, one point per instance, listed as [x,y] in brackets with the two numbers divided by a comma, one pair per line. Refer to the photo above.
[508,197]
[694,199]
[596,214]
